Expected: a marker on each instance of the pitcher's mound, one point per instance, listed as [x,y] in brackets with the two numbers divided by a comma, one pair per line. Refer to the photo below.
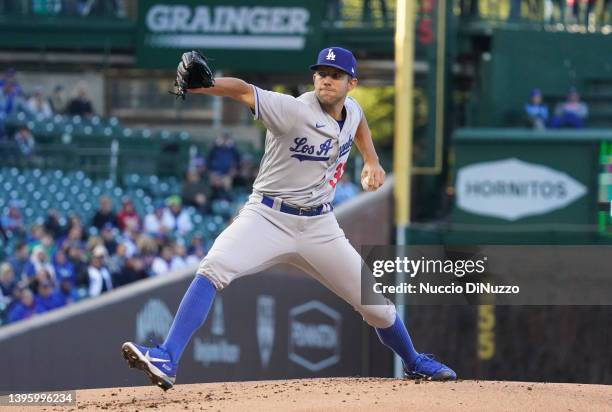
[350,394]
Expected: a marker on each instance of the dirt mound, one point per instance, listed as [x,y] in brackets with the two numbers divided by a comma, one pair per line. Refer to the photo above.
[354,394]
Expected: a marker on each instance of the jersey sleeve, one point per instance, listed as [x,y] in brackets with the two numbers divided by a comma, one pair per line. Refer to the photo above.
[355,106]
[277,111]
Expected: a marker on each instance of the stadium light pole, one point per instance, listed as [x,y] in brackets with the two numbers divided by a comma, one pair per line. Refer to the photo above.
[402,142]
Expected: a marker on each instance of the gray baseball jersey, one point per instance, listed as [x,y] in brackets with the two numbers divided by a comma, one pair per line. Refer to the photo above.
[305,155]
[306,152]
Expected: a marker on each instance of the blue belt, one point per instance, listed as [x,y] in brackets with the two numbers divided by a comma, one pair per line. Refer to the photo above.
[298,211]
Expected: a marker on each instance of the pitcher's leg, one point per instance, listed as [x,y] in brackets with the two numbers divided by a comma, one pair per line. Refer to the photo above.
[338,266]
[250,234]
[190,316]
[250,244]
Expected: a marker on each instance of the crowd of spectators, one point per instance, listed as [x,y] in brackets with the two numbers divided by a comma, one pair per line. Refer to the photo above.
[80,8]
[55,264]
[14,99]
[64,259]
[549,11]
[572,113]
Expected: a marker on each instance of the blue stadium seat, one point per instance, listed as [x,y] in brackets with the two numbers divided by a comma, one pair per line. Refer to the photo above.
[127,132]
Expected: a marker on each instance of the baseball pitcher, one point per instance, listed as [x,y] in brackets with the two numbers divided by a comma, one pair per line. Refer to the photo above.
[288,217]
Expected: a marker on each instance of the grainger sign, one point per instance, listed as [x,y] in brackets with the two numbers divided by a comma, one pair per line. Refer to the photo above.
[246,35]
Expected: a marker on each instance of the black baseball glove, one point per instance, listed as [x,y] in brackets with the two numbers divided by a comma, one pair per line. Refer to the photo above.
[193,72]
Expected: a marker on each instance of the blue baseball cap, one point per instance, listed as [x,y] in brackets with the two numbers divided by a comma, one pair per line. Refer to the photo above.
[339,58]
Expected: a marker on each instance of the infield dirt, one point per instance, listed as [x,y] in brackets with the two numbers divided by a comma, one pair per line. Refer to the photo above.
[348,394]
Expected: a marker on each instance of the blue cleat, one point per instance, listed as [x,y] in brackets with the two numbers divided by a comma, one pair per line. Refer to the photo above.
[426,367]
[155,362]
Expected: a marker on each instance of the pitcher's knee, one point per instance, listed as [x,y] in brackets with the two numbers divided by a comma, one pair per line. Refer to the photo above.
[378,316]
[214,270]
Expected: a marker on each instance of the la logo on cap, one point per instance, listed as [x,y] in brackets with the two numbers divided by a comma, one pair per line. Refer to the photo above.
[330,55]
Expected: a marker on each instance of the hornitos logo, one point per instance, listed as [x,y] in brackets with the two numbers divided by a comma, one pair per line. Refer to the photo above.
[227,27]
[153,321]
[216,349]
[314,336]
[512,189]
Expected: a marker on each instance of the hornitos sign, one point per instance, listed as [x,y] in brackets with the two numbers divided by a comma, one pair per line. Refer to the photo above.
[512,189]
[274,26]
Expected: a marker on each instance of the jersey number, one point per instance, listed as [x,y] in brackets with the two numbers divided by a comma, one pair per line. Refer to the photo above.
[339,171]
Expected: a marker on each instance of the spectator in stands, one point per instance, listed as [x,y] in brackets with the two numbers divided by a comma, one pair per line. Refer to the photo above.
[179,260]
[25,141]
[10,99]
[104,214]
[8,282]
[536,111]
[468,8]
[38,105]
[76,256]
[67,292]
[19,260]
[578,15]
[39,260]
[53,225]
[74,236]
[3,234]
[196,250]
[64,269]
[367,9]
[48,297]
[109,238]
[247,173]
[223,163]
[161,264]
[334,11]
[549,11]
[129,239]
[198,163]
[57,100]
[93,242]
[10,76]
[80,105]
[74,221]
[116,263]
[605,12]
[99,277]
[572,113]
[13,221]
[127,216]
[345,190]
[154,222]
[147,251]
[133,270]
[177,219]
[48,243]
[26,307]
[106,8]
[196,192]
[35,236]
